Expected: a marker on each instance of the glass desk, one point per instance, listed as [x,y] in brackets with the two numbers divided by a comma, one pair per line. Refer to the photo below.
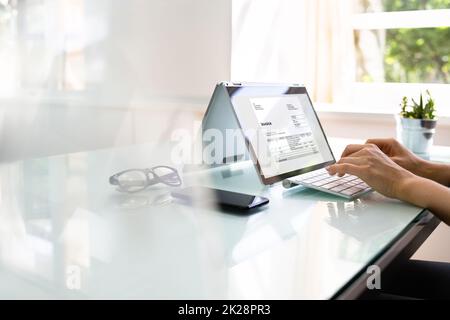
[65,233]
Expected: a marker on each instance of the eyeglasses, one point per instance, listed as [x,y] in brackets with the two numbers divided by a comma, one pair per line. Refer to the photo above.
[136,180]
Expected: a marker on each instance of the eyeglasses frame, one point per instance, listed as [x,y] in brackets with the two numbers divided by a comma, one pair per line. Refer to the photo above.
[114,180]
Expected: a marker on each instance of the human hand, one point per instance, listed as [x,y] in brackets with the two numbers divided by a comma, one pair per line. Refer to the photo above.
[395,151]
[375,168]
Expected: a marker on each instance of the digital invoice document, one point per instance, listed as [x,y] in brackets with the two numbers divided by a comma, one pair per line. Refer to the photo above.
[284,132]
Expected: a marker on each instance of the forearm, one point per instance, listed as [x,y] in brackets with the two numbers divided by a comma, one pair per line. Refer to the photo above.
[438,172]
[427,194]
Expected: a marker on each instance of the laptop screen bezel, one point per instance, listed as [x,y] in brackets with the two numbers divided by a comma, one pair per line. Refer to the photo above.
[236,90]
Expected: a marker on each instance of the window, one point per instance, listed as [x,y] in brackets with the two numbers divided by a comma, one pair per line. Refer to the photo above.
[363,55]
[401,48]
[41,46]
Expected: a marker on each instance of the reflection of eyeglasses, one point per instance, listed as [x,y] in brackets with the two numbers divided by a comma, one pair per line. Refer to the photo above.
[136,180]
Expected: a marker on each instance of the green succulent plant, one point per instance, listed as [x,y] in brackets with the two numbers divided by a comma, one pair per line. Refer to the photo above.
[421,110]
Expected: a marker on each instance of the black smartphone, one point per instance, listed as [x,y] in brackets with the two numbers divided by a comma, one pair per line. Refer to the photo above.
[203,195]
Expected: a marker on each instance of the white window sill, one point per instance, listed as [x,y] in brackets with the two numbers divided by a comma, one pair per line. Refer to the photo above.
[331,111]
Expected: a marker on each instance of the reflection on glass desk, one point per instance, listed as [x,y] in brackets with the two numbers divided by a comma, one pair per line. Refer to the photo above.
[66,233]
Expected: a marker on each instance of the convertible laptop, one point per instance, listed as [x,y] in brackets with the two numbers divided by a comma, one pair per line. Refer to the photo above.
[285,138]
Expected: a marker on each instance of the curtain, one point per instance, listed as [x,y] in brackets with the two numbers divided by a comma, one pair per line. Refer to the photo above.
[306,41]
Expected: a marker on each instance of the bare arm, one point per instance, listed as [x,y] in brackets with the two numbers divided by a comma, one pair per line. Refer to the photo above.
[438,172]
[428,194]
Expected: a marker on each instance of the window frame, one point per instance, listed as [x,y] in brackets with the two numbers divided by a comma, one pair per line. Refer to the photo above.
[385,97]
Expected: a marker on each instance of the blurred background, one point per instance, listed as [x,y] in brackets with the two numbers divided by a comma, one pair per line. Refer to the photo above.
[80,75]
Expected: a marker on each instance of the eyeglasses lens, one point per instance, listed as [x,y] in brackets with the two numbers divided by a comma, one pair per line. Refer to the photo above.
[133,181]
[168,175]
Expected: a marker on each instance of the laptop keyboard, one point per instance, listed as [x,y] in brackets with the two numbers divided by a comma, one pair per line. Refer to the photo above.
[348,186]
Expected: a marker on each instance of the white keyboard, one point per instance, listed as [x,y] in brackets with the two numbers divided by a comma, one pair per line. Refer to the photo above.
[348,186]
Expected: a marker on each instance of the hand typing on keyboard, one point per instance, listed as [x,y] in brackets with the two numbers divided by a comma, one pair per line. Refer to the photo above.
[375,168]
[391,170]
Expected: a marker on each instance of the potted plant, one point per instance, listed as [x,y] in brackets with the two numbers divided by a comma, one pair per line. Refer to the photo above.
[417,124]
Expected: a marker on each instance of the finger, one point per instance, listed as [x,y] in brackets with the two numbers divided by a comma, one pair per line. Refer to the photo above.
[345,168]
[351,149]
[383,144]
[359,154]
[359,161]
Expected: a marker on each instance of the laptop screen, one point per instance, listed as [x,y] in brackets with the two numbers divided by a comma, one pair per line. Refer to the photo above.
[282,129]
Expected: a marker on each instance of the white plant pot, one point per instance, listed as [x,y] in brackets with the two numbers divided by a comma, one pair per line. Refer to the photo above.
[415,134]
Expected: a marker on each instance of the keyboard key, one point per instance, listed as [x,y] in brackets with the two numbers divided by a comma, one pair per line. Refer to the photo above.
[351,191]
[349,185]
[321,183]
[339,188]
[312,180]
[332,179]
[331,185]
[363,185]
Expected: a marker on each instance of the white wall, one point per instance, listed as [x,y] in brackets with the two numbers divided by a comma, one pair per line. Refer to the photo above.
[160,48]
[140,56]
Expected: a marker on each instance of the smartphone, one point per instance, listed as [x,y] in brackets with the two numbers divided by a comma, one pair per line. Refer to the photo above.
[203,195]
